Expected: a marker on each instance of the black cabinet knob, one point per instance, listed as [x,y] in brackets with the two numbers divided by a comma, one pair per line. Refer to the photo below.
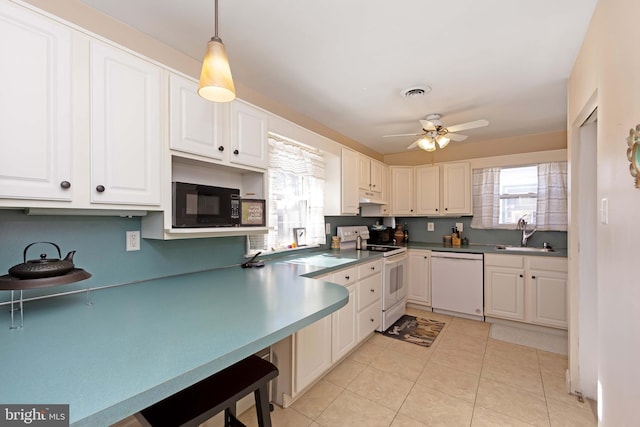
[221,148]
[522,275]
[446,209]
[436,209]
[65,184]
[346,277]
[236,152]
[100,188]
[533,277]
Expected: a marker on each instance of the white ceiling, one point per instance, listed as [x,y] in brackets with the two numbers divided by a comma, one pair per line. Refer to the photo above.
[345,63]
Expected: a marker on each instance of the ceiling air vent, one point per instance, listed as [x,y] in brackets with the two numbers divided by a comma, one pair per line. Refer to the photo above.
[416,91]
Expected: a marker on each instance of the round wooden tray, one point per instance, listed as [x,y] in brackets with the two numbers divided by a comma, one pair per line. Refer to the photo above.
[10,283]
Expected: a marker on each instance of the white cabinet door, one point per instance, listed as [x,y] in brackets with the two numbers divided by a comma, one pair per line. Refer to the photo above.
[419,289]
[504,292]
[548,298]
[427,190]
[364,172]
[312,352]
[344,335]
[369,320]
[402,190]
[248,135]
[349,185]
[195,123]
[125,127]
[457,188]
[35,106]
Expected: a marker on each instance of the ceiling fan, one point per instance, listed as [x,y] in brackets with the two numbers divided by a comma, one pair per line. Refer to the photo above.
[434,132]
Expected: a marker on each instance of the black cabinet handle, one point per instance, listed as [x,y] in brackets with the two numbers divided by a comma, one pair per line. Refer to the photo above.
[100,188]
[372,267]
[446,209]
[533,277]
[522,275]
[373,291]
[436,209]
[65,184]
[236,152]
[346,277]
[221,148]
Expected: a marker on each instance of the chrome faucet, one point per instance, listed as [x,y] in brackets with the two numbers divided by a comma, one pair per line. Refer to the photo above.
[522,225]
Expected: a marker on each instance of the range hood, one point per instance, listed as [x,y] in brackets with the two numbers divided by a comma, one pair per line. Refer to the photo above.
[371,198]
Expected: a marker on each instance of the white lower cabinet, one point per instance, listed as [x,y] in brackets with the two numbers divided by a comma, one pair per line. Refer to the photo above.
[419,289]
[531,289]
[309,353]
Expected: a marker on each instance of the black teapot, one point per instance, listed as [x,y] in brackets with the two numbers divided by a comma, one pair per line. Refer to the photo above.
[43,267]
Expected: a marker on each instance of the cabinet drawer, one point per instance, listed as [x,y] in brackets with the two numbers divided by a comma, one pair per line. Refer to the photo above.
[513,261]
[369,290]
[345,277]
[547,263]
[369,268]
[369,320]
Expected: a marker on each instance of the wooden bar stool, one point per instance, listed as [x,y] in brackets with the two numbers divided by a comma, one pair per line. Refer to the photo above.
[219,392]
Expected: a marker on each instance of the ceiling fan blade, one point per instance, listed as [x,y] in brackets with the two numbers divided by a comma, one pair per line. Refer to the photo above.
[427,125]
[403,134]
[412,146]
[468,125]
[457,137]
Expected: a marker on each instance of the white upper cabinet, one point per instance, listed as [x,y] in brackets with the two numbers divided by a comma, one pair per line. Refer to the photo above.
[349,168]
[125,127]
[195,124]
[402,190]
[35,107]
[427,190]
[248,135]
[370,176]
[456,189]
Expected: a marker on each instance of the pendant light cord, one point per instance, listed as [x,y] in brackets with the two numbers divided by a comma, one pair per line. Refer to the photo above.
[215,21]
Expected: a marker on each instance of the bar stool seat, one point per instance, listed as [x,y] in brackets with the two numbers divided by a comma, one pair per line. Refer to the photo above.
[219,392]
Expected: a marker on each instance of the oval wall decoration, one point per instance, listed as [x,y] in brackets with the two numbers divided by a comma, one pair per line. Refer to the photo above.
[633,154]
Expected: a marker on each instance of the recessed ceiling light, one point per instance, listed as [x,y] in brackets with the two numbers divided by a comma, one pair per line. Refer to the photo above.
[416,91]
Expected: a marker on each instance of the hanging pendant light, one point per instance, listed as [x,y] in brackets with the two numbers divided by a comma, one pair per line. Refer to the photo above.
[216,83]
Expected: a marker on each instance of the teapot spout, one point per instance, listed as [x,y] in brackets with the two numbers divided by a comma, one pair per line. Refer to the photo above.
[69,257]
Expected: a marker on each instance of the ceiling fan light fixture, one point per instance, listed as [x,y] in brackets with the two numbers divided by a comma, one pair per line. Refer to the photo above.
[427,143]
[443,140]
[216,83]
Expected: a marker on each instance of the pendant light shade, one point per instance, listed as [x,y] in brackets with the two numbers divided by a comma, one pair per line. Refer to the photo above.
[443,141]
[427,143]
[216,83]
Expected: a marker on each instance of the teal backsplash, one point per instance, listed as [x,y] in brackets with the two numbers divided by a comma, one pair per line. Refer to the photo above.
[100,246]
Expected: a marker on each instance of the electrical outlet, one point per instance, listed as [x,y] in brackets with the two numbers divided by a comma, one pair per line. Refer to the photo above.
[327,228]
[430,226]
[459,227]
[133,240]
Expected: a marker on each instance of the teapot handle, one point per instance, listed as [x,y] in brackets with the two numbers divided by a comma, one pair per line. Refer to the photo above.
[24,255]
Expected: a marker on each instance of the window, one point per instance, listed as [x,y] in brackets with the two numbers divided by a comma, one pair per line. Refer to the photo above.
[502,195]
[296,197]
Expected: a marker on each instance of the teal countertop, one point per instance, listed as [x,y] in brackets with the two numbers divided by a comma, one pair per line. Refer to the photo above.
[142,342]
[482,249]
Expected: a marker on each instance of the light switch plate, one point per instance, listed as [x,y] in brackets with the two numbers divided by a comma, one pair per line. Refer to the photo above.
[430,226]
[327,228]
[459,227]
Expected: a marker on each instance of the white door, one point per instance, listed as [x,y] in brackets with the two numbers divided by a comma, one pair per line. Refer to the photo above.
[402,190]
[248,135]
[195,123]
[428,190]
[377,177]
[35,106]
[125,128]
[457,188]
[364,173]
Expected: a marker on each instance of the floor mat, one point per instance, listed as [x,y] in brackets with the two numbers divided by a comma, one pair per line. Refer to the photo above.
[416,330]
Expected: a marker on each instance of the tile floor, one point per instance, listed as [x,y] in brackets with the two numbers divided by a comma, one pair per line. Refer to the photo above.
[464,379]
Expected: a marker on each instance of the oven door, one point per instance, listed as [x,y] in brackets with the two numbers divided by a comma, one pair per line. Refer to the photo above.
[394,283]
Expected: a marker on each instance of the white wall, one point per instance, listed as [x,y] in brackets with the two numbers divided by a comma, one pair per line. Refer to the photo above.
[607,71]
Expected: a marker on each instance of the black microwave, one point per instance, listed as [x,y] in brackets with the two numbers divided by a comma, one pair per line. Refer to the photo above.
[196,205]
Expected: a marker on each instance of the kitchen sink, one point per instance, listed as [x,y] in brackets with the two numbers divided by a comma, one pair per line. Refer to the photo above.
[508,248]
[322,260]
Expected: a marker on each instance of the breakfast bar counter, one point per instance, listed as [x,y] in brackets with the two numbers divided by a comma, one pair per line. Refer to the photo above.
[139,343]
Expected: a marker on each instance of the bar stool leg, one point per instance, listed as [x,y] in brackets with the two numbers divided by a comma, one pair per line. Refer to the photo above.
[262,406]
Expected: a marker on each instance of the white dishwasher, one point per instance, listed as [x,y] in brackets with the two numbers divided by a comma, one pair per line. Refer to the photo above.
[457,284]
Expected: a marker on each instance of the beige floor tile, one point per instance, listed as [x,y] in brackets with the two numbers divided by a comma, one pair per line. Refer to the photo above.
[449,381]
[279,418]
[366,353]
[453,340]
[553,362]
[317,399]
[410,348]
[512,401]
[434,408]
[381,387]
[402,420]
[352,410]
[469,327]
[563,415]
[379,339]
[515,373]
[404,365]
[459,360]
[555,389]
[509,351]
[345,372]
[483,417]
